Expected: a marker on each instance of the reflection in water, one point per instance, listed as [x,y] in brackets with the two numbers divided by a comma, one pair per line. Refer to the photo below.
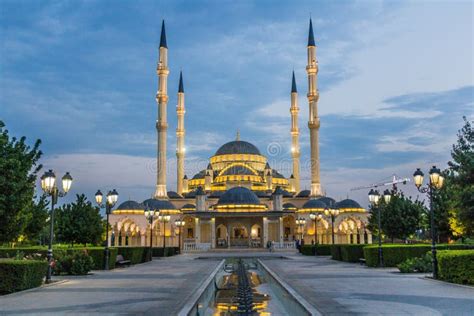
[226,302]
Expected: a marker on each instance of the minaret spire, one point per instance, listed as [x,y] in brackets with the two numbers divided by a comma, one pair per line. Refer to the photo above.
[237,136]
[295,135]
[313,123]
[163,35]
[310,34]
[161,123]
[180,131]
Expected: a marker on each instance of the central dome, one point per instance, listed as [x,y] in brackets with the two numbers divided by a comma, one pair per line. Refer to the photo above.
[238,196]
[238,147]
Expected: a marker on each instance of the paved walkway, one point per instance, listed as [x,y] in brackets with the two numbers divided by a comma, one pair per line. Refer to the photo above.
[160,287]
[337,288]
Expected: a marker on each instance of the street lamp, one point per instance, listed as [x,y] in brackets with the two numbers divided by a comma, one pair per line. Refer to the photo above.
[150,216]
[48,184]
[110,200]
[436,183]
[374,199]
[179,223]
[301,222]
[316,218]
[165,219]
[333,212]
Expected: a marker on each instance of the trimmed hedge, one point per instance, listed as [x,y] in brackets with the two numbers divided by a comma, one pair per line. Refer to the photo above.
[97,254]
[18,275]
[319,250]
[394,254]
[352,253]
[456,266]
[170,251]
[336,252]
[135,254]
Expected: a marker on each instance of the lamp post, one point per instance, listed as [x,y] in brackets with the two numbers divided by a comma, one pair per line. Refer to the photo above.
[333,213]
[111,199]
[150,216]
[436,183]
[179,223]
[48,184]
[374,199]
[301,222]
[316,218]
[165,219]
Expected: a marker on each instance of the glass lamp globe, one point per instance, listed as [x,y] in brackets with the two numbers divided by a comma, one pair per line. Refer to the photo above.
[418,177]
[99,197]
[67,181]
[49,181]
[312,216]
[387,196]
[434,176]
[371,195]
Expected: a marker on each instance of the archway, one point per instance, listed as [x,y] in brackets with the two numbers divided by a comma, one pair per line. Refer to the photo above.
[239,236]
[221,236]
[256,234]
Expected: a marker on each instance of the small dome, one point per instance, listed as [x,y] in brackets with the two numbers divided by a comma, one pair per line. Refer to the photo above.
[238,196]
[158,204]
[174,195]
[200,175]
[304,193]
[237,147]
[289,207]
[314,204]
[130,205]
[276,174]
[238,170]
[330,202]
[188,207]
[347,203]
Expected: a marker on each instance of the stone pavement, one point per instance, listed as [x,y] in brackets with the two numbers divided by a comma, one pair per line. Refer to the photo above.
[159,287]
[337,288]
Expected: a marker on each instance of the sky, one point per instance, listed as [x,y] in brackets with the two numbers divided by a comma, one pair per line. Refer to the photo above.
[395,80]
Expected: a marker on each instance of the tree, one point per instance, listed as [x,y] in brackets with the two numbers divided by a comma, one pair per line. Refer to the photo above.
[399,219]
[37,219]
[462,166]
[18,170]
[79,222]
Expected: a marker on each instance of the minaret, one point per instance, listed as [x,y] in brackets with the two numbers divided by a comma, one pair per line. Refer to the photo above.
[313,123]
[161,123]
[295,135]
[180,131]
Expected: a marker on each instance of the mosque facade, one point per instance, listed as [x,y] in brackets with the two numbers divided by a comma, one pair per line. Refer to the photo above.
[239,200]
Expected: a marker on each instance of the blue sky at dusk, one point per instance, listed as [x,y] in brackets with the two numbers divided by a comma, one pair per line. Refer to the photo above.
[395,79]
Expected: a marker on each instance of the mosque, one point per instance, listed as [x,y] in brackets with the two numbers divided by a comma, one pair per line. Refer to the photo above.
[239,200]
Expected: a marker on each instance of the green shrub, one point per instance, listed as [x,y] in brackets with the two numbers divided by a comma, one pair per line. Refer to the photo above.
[415,265]
[17,275]
[98,255]
[74,263]
[352,253]
[308,250]
[336,252]
[135,254]
[394,254]
[170,251]
[319,250]
[456,266]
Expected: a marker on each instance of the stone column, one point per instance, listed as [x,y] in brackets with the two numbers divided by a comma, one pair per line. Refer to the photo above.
[280,231]
[362,237]
[369,238]
[265,231]
[198,230]
[213,233]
